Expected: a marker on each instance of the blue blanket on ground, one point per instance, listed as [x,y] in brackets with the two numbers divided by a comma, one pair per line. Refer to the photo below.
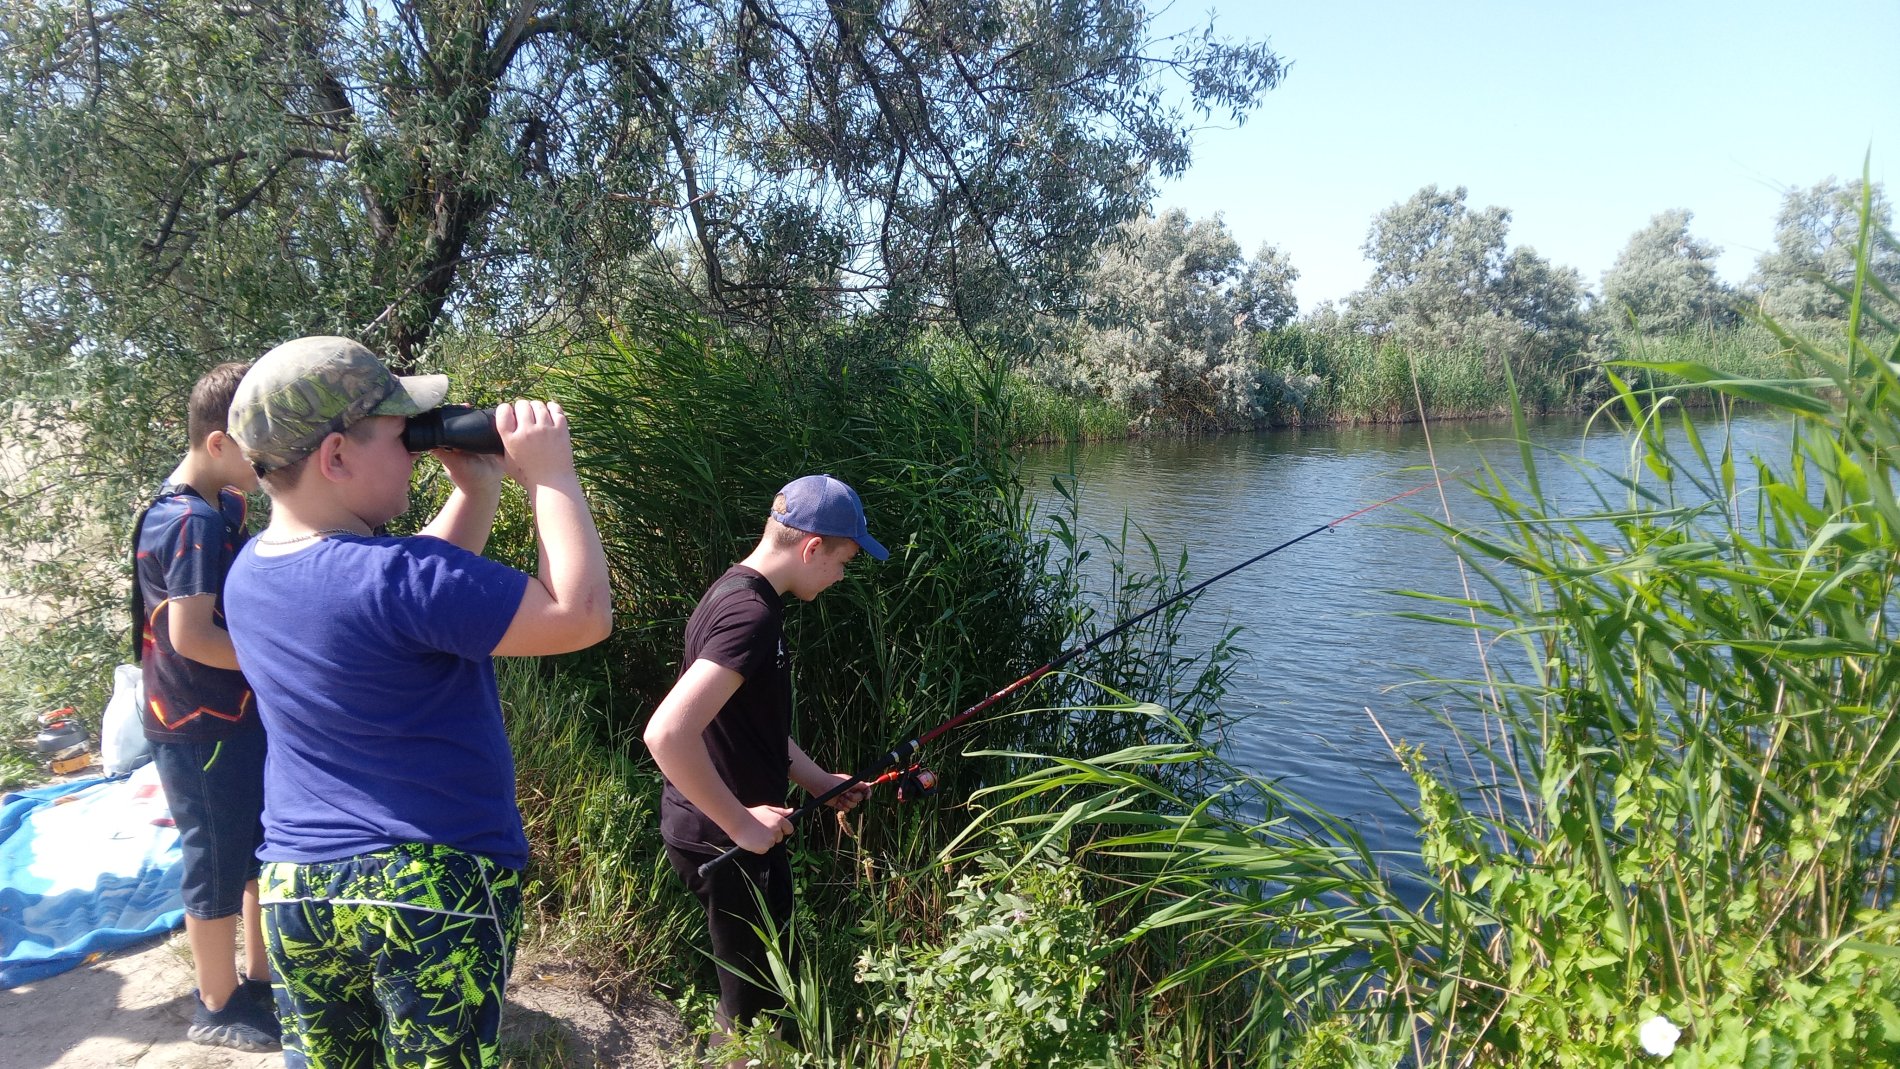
[85,867]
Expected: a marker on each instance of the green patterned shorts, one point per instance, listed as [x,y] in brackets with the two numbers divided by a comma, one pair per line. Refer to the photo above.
[394,958]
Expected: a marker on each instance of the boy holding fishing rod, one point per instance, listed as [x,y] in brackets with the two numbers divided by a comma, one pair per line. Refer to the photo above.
[722,735]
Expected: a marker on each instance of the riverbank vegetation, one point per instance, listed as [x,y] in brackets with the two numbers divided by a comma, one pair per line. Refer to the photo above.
[1179,332]
[1679,806]
[1671,834]
[485,188]
[1672,823]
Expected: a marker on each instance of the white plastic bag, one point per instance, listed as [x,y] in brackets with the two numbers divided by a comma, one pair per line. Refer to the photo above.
[122,745]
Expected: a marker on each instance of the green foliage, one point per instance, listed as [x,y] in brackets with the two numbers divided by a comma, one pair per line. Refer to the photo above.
[193,182]
[683,434]
[1685,789]
[1811,270]
[51,664]
[197,177]
[1693,805]
[1234,920]
[1011,985]
[1334,1044]
[1333,373]
[1744,350]
[1037,411]
[1442,278]
[590,804]
[77,473]
[1663,282]
[1170,322]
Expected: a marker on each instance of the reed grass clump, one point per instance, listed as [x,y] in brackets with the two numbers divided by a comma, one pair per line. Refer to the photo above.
[1690,812]
[1335,375]
[683,433]
[1674,831]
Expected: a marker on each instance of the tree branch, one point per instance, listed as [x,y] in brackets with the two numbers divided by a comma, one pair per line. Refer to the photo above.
[156,245]
[655,88]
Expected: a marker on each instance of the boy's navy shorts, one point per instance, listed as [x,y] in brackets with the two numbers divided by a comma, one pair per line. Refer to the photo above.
[216,793]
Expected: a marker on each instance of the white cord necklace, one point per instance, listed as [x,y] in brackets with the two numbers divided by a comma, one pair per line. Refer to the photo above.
[294,539]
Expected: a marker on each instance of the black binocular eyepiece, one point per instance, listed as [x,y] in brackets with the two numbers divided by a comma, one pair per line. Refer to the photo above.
[452,427]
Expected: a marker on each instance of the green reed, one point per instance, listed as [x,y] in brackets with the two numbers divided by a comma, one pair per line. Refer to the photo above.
[1692,808]
[682,435]
[1680,802]
[1335,375]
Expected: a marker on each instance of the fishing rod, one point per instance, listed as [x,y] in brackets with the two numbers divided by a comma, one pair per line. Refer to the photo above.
[876,773]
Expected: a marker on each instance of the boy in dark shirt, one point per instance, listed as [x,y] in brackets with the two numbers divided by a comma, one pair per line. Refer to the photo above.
[722,735]
[201,719]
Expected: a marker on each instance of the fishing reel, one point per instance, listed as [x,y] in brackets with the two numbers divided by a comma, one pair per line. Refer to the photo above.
[916,782]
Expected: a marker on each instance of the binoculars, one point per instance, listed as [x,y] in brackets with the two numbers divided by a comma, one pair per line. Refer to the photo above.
[452,427]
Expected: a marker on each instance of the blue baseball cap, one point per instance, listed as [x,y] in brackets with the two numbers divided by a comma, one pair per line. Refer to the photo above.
[823,505]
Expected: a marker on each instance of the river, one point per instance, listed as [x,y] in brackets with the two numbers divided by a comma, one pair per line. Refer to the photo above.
[1326,653]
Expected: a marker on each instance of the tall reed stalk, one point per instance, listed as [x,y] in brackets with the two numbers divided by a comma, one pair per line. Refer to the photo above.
[683,433]
[1685,807]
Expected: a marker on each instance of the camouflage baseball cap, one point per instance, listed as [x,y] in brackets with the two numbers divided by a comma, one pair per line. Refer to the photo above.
[303,391]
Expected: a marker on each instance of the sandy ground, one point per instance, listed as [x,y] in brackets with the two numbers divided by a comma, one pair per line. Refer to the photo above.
[130,1009]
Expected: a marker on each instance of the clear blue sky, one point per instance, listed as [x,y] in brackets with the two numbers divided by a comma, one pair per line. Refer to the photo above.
[1583,119]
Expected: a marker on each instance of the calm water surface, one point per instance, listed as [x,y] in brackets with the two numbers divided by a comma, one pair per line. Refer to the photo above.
[1326,653]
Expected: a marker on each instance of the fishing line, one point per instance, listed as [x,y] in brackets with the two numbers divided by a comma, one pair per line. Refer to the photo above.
[895,760]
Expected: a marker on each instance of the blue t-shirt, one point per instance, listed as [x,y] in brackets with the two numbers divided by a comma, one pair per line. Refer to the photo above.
[185,546]
[371,662]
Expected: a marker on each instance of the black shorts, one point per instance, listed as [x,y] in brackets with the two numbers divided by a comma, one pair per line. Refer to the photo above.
[216,793]
[732,917]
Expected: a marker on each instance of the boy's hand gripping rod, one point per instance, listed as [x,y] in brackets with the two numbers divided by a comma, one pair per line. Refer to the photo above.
[902,753]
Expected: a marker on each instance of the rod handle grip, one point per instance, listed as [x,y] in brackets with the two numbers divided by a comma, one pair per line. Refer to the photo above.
[706,869]
[895,757]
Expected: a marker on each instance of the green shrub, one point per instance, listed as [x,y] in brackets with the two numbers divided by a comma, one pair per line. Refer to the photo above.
[1012,985]
[1690,809]
[1680,802]
[1334,374]
[682,434]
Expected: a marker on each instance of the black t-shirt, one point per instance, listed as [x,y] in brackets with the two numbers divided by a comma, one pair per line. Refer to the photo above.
[738,624]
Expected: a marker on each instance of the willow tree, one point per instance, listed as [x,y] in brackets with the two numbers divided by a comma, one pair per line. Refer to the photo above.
[1664,280]
[1171,320]
[1817,232]
[183,181]
[205,175]
[1444,277]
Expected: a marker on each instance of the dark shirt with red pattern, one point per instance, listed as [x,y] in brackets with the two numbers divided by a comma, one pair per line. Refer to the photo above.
[185,546]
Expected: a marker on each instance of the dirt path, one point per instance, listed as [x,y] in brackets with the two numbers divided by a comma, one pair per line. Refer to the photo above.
[130,1009]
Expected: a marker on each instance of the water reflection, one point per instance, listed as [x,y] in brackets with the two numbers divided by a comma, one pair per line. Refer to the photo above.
[1326,652]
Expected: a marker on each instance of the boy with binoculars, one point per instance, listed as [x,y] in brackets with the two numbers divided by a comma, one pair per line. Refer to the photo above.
[392,845]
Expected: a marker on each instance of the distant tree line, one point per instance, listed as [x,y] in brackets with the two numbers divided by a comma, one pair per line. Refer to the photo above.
[1181,330]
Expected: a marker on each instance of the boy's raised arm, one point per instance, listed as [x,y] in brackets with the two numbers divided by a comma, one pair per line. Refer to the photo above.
[469,514]
[568,604]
